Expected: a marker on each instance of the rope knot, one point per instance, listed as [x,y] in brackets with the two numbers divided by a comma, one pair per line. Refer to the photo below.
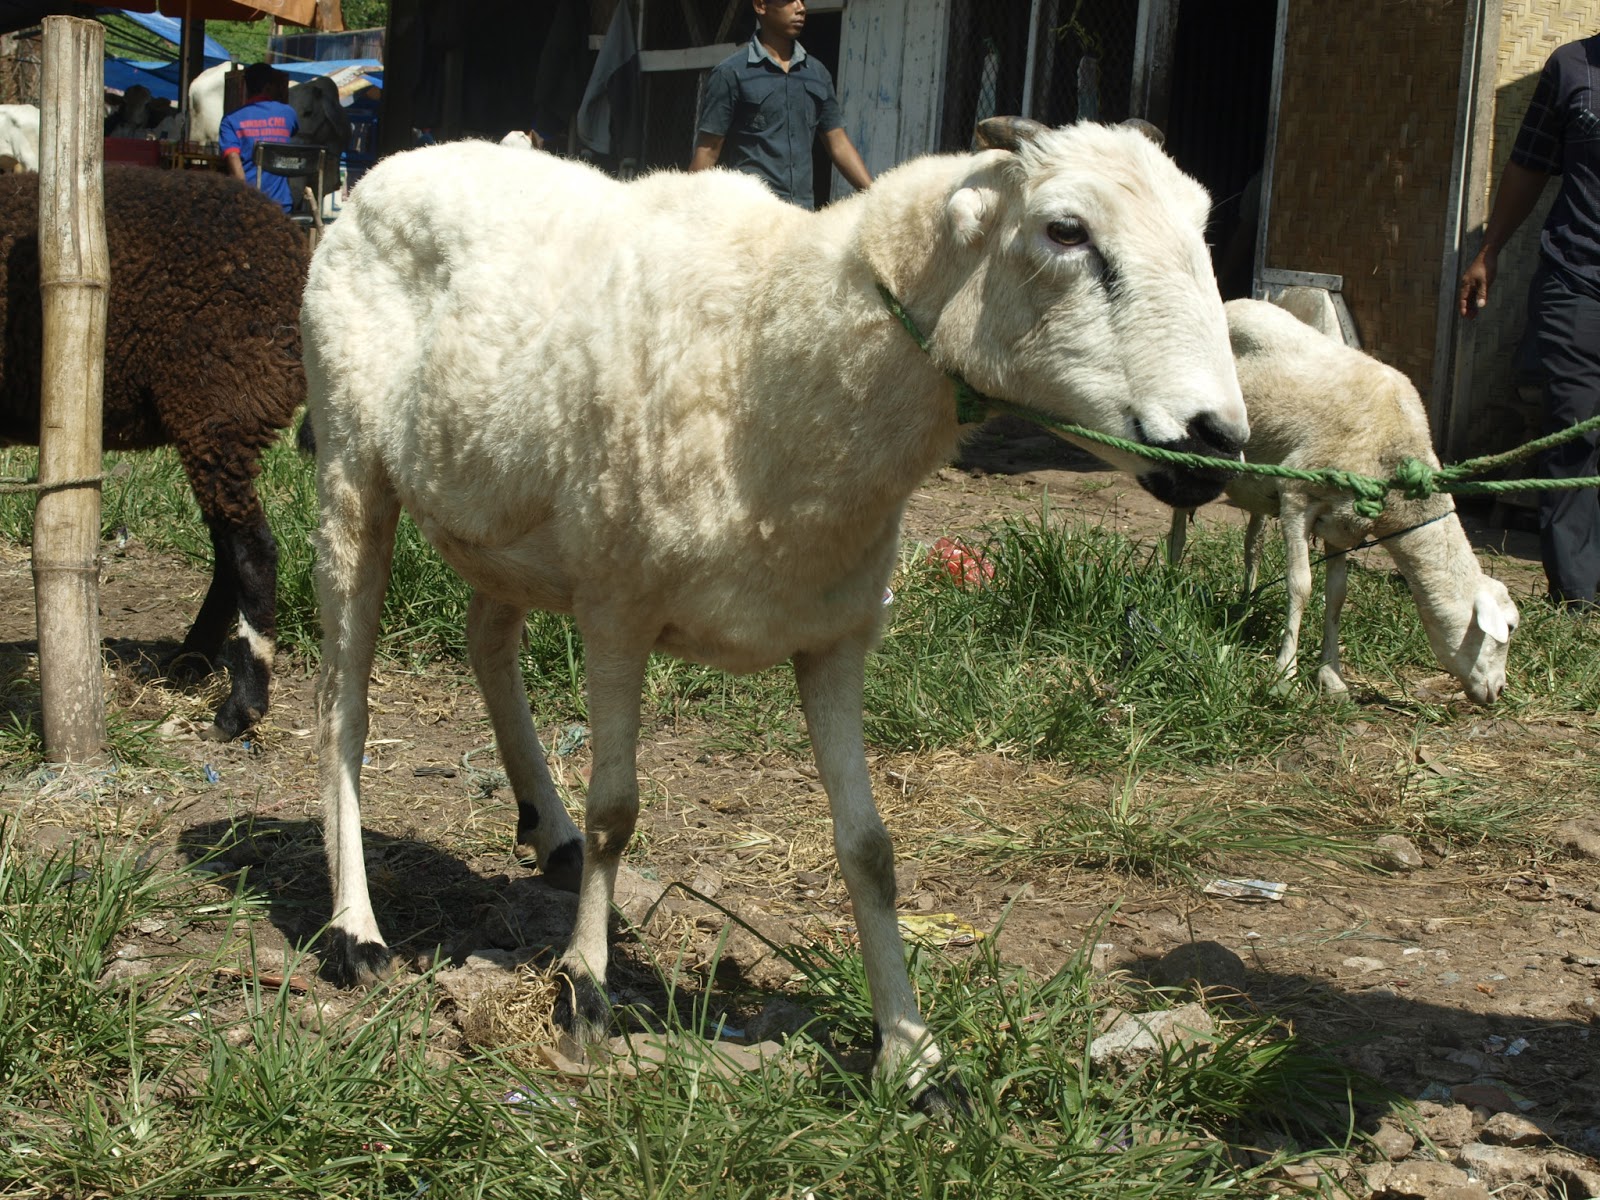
[1415,479]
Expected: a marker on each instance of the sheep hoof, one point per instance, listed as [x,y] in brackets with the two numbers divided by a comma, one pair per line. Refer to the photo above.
[946,1100]
[582,1011]
[1328,680]
[347,962]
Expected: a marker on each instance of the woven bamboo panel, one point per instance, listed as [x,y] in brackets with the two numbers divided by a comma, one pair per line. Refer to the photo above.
[1360,184]
[1498,414]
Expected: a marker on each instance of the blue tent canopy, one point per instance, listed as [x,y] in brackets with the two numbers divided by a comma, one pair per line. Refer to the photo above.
[307,70]
[162,77]
[171,29]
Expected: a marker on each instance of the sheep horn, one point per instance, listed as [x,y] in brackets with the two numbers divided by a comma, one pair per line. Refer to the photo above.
[1007,133]
[1149,130]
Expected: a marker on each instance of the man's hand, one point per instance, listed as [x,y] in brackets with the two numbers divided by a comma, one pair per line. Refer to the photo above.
[1475,282]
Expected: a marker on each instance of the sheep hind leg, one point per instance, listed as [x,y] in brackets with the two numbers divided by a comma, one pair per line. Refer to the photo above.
[201,651]
[253,555]
[355,546]
[831,692]
[1329,676]
[545,833]
[615,680]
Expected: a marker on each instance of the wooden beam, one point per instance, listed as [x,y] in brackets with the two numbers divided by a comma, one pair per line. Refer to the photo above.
[74,280]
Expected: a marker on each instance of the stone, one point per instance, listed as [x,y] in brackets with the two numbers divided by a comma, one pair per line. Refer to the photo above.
[1447,1126]
[1510,1129]
[1579,1177]
[1138,1034]
[1497,1166]
[1364,965]
[1393,1142]
[1199,965]
[1414,1180]
[464,985]
[635,895]
[1395,853]
[491,960]
[123,970]
[318,1015]
[1484,1095]
[1580,836]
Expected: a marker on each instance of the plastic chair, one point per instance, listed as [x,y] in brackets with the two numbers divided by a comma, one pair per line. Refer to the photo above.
[296,163]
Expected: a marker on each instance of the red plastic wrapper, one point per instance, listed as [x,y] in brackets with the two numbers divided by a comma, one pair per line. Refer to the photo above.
[967,566]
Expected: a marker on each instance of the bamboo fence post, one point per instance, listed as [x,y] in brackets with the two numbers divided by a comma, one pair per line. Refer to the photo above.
[74,276]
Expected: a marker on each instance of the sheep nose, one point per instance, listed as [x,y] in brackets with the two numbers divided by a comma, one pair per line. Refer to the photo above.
[1211,436]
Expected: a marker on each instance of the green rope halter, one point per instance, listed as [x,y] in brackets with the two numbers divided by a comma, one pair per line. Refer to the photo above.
[1412,478]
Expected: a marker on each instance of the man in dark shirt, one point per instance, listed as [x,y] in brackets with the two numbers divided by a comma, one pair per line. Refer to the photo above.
[764,106]
[1560,135]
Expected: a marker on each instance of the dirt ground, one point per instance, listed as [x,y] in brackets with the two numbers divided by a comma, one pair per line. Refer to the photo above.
[1474,978]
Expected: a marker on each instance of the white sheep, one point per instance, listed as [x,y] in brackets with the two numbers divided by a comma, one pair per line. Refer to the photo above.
[1315,402]
[19,137]
[679,410]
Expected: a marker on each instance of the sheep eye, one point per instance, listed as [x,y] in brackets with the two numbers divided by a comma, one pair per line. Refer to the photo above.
[1069,232]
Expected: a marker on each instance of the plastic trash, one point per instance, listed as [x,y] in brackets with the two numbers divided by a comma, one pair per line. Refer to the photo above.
[966,566]
[1252,890]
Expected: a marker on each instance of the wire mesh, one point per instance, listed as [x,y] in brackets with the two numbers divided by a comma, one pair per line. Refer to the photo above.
[1053,60]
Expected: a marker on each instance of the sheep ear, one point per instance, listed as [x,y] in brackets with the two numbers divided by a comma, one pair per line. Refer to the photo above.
[1149,130]
[969,210]
[1490,617]
[1007,133]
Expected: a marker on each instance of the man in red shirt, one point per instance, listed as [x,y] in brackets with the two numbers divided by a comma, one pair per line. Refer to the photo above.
[264,117]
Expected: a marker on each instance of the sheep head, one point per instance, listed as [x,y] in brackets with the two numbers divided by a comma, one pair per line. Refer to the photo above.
[1471,638]
[1076,281]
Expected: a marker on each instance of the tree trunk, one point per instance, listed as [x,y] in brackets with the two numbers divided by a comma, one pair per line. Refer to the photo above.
[74,277]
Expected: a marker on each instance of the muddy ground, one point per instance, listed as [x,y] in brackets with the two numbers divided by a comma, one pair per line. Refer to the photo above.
[1477,970]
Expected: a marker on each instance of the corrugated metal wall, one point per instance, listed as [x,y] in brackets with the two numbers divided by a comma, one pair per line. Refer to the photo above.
[1361,178]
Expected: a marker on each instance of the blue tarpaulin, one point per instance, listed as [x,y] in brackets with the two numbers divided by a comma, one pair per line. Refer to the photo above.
[171,29]
[162,77]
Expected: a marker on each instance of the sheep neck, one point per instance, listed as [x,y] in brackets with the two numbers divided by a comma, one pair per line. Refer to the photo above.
[1437,562]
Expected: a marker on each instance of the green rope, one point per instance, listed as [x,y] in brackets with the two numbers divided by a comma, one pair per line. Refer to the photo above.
[1413,478]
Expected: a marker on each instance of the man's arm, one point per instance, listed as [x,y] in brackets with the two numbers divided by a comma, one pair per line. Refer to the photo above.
[1520,189]
[707,149]
[845,156]
[235,165]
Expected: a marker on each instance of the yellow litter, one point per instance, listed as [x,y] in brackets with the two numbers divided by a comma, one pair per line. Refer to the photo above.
[939,930]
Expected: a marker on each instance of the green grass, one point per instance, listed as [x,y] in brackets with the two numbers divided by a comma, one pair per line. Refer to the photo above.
[1085,646]
[169,1086]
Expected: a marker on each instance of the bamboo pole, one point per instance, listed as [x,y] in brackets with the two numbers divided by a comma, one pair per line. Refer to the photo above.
[74,277]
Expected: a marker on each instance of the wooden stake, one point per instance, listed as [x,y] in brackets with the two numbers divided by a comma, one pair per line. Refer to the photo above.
[74,277]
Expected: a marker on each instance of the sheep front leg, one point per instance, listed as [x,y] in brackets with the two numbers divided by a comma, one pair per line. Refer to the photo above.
[831,686]
[1329,678]
[545,833]
[615,680]
[1178,534]
[355,545]
[1297,561]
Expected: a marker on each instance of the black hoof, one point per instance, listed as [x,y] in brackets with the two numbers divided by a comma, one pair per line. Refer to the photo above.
[564,869]
[232,719]
[349,963]
[581,1009]
[185,667]
[946,1099]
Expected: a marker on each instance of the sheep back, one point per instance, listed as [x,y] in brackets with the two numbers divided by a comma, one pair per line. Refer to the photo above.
[202,323]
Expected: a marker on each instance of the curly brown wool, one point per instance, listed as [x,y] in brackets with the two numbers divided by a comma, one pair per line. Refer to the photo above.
[202,354]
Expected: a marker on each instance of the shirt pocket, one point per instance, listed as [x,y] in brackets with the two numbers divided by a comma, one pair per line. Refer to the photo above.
[760,104]
[817,96]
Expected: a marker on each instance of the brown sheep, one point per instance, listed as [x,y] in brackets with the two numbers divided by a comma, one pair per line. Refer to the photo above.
[202,354]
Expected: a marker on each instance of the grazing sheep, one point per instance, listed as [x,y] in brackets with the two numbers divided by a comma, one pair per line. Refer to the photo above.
[679,410]
[203,354]
[1313,403]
